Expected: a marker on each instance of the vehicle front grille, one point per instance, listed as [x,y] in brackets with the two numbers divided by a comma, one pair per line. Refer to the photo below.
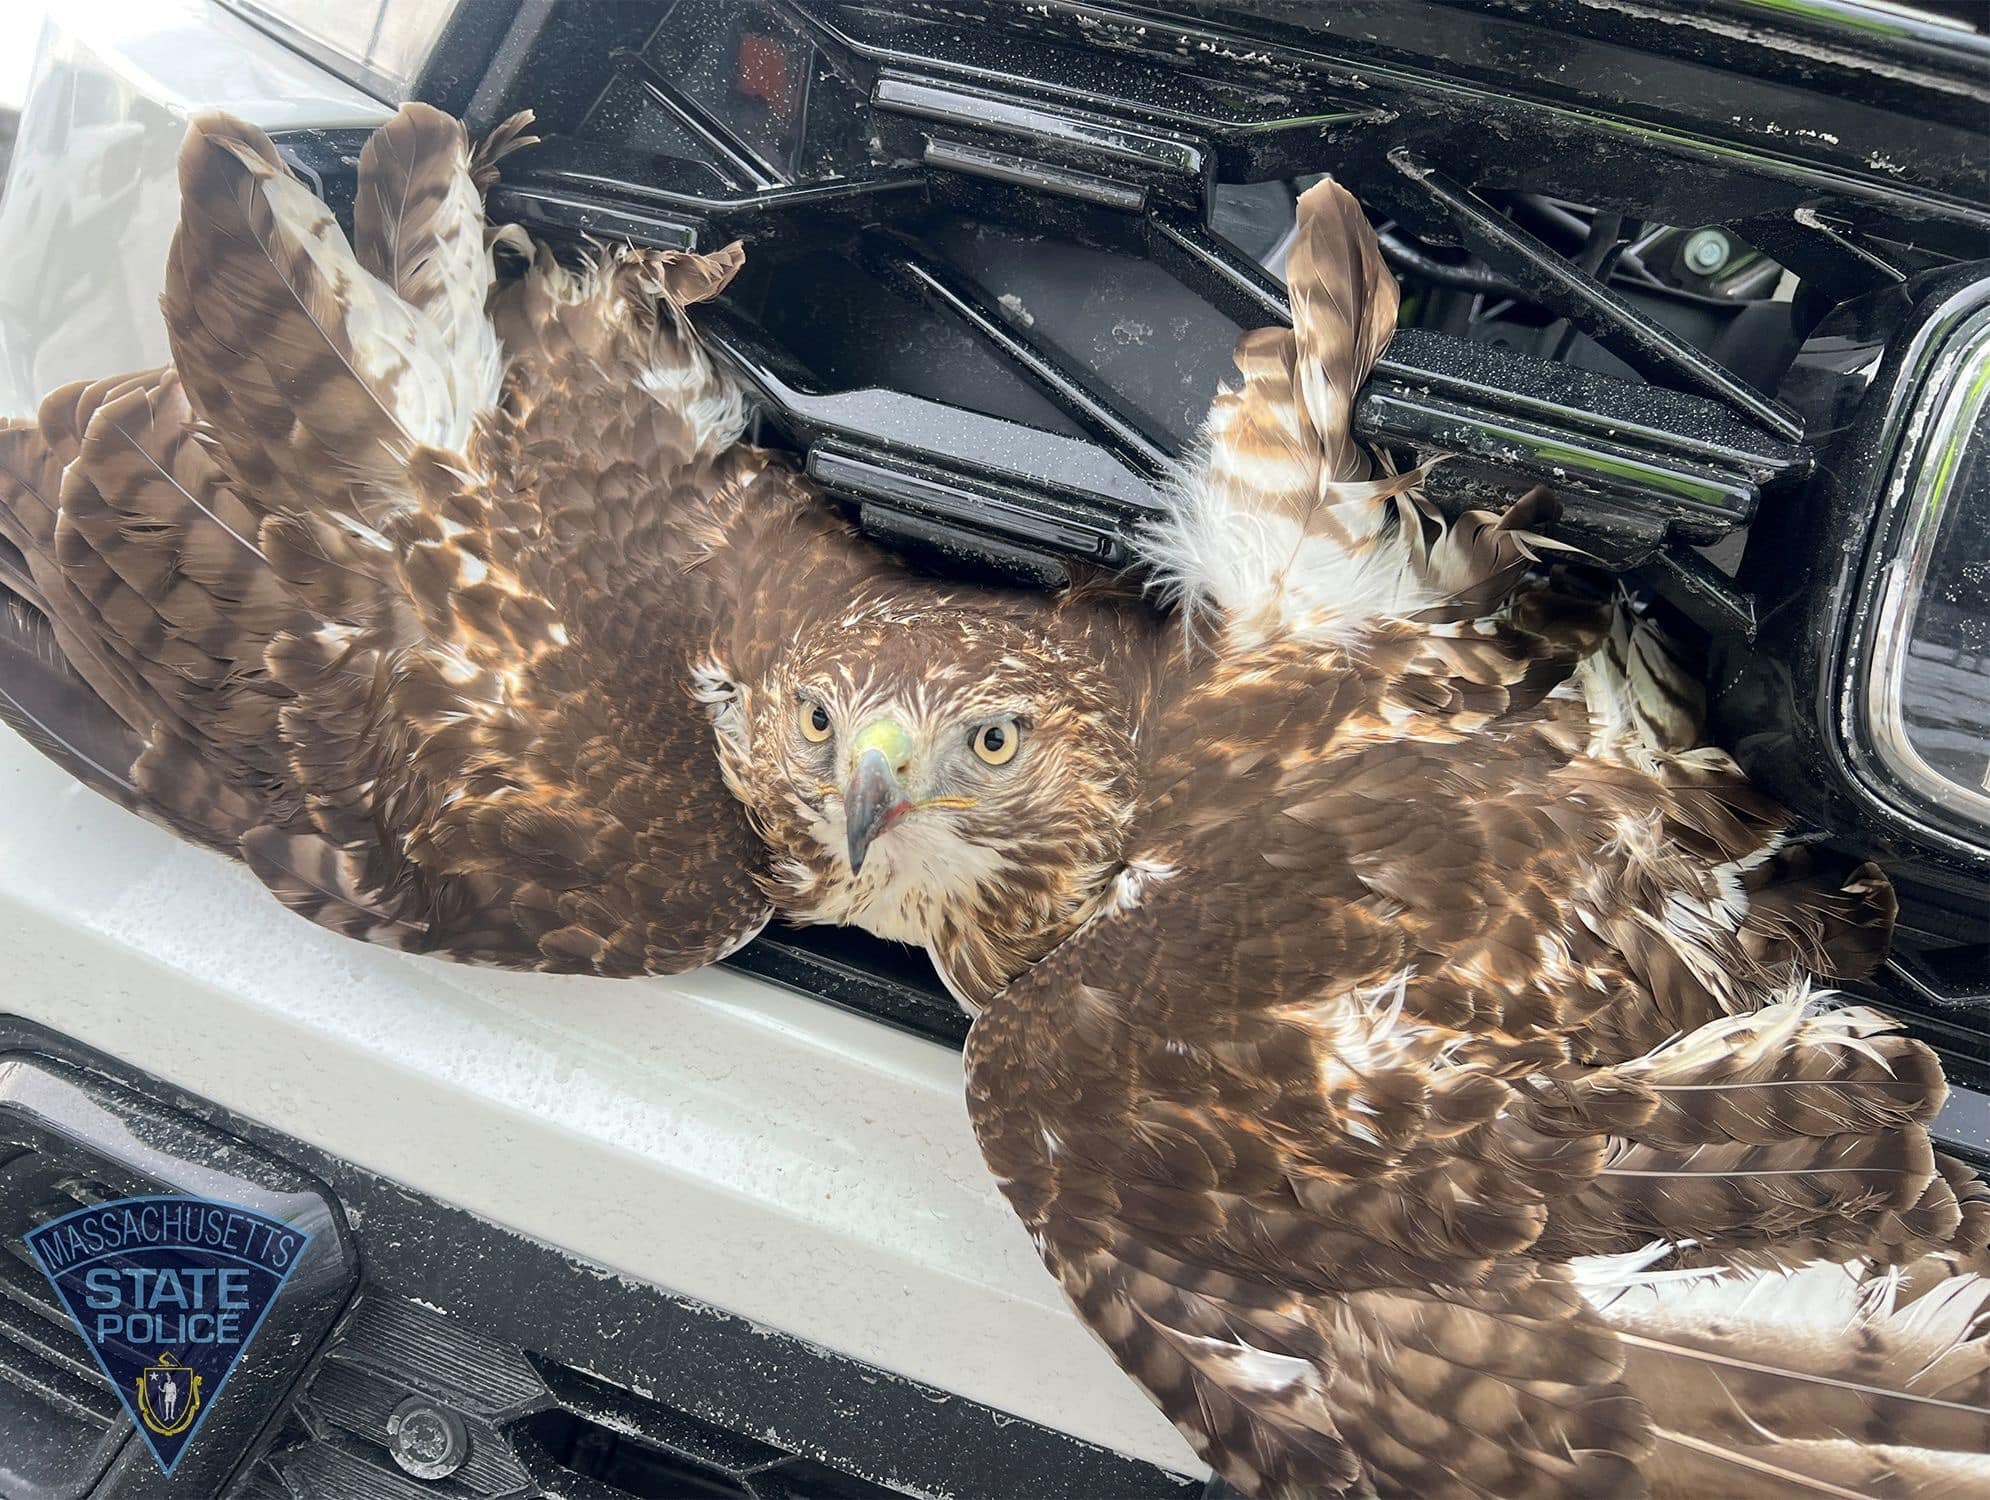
[647,1451]
[60,1423]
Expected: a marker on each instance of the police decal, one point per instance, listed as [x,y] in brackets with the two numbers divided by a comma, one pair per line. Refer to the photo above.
[168,1292]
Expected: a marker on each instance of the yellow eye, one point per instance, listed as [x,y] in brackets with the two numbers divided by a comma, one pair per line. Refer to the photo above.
[998,743]
[815,723]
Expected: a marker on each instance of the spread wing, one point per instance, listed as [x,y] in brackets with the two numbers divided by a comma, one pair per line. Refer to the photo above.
[1300,1121]
[1284,1201]
[1431,977]
[418,645]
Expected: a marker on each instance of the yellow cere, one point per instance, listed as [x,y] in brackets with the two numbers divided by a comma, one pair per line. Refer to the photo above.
[886,736]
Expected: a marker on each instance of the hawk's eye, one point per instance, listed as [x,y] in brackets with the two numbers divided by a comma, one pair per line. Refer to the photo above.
[998,743]
[815,723]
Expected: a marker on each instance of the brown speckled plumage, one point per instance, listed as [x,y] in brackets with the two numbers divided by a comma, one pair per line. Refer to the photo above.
[1375,975]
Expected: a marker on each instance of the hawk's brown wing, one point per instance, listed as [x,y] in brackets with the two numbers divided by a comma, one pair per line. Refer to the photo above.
[427,659]
[1298,1123]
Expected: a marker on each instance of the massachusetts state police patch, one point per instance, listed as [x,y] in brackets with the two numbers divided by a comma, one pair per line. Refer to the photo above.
[168,1292]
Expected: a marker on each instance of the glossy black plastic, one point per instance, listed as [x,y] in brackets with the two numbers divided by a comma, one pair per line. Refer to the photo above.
[71,1137]
[1784,705]
[1112,125]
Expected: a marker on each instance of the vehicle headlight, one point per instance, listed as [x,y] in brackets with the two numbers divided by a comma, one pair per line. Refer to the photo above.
[1916,715]
[380,46]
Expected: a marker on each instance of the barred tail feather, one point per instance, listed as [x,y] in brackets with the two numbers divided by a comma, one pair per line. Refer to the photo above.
[44,701]
[330,885]
[1344,306]
[1763,1135]
[32,459]
[1285,522]
[1789,1069]
[418,225]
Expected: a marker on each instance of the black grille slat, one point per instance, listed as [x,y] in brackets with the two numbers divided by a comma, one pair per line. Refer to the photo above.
[535,1428]
[22,1284]
[40,1348]
[435,1354]
[50,1338]
[608,1412]
[42,1178]
[64,1378]
[60,1422]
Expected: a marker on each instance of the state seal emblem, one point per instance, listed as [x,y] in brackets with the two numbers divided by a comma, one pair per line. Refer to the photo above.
[168,1396]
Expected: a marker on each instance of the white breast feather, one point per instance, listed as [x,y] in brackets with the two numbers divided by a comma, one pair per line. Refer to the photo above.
[1266,574]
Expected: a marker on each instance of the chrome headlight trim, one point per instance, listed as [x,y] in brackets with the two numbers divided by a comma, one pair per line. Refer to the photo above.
[378,46]
[1944,414]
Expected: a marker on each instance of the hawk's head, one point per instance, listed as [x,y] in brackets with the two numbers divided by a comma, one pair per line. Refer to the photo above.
[940,774]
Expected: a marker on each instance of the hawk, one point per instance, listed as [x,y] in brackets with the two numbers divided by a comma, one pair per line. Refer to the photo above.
[1392,1024]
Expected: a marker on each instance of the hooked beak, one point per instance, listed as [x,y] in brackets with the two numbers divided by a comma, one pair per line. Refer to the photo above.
[875,799]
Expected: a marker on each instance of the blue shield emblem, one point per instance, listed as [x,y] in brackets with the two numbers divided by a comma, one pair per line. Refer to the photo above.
[168,1292]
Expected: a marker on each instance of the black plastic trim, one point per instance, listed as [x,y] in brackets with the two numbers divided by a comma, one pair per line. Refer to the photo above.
[1642,343]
